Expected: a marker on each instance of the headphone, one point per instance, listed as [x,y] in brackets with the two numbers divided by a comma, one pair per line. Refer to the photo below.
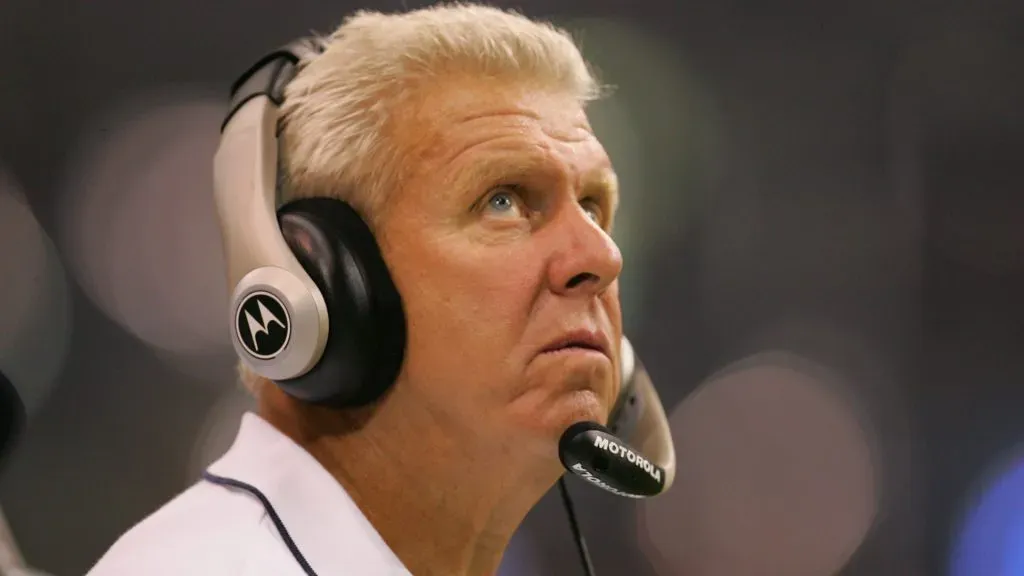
[313,307]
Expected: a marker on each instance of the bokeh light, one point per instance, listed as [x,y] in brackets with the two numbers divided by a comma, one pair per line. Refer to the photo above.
[990,537]
[35,306]
[776,476]
[663,134]
[139,225]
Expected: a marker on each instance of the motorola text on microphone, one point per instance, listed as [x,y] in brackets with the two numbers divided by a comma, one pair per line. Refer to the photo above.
[592,452]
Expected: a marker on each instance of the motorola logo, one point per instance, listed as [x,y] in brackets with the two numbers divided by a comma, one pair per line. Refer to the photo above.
[632,457]
[262,325]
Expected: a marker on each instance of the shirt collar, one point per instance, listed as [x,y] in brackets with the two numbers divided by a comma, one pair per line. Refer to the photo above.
[328,528]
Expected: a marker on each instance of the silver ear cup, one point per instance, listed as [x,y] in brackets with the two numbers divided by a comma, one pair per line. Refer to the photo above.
[279,323]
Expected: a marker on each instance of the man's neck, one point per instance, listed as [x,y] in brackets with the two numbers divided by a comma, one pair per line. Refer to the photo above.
[443,508]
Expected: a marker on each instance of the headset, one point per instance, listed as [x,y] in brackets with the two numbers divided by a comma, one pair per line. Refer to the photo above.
[315,310]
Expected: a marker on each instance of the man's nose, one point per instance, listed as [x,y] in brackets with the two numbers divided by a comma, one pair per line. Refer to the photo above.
[587,261]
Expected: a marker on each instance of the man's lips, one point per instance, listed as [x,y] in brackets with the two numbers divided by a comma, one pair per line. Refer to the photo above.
[579,341]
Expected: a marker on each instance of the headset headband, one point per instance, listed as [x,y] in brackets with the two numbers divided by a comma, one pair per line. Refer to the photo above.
[271,74]
[246,194]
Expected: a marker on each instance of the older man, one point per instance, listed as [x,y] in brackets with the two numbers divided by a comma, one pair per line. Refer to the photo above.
[458,134]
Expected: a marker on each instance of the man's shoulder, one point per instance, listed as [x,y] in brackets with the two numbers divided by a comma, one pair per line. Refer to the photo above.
[205,530]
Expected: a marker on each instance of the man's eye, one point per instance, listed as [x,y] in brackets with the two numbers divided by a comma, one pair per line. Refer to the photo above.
[593,210]
[505,201]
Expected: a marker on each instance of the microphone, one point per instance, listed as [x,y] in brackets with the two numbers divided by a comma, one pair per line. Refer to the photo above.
[593,453]
[635,458]
[606,460]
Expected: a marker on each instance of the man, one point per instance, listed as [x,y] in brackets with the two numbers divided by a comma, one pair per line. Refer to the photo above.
[459,133]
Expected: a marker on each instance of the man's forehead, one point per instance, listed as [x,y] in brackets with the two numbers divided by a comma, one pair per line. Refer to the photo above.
[491,129]
[587,172]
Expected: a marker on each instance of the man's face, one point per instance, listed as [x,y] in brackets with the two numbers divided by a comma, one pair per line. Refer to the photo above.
[498,242]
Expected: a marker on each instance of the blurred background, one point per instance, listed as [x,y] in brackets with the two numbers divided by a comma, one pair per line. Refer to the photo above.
[821,224]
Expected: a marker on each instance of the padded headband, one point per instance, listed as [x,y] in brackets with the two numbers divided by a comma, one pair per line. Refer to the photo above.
[246,194]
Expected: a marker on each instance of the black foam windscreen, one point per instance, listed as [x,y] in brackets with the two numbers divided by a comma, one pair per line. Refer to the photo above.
[12,415]
[366,345]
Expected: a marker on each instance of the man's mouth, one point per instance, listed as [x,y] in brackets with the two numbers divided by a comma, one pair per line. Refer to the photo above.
[579,341]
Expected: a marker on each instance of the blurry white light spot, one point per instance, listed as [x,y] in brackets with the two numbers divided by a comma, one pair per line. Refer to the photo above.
[35,318]
[139,223]
[776,477]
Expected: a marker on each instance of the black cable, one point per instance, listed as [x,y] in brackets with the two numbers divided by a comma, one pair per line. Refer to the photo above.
[278,523]
[581,544]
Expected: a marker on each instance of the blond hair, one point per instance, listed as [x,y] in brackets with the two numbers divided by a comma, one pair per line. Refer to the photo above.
[336,112]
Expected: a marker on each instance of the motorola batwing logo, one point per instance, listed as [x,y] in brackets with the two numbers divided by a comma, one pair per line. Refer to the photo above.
[262,325]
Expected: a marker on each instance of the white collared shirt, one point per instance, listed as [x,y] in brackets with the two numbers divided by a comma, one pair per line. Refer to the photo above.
[212,530]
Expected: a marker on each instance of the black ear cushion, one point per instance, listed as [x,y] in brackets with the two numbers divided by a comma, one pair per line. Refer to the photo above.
[366,343]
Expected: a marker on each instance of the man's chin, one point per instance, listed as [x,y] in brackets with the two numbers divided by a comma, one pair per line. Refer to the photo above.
[547,424]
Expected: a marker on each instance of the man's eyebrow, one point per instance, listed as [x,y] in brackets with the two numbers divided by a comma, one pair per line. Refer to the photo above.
[599,182]
[499,166]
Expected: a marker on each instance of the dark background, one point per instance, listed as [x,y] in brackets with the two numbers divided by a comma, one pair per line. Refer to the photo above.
[824,274]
